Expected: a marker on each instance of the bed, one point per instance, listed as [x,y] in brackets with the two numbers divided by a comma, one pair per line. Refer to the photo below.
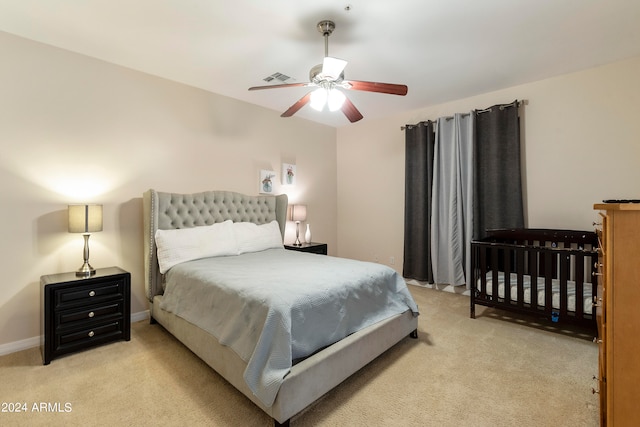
[542,272]
[282,357]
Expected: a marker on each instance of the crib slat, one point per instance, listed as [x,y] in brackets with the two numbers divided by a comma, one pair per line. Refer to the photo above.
[474,280]
[578,263]
[483,269]
[506,260]
[533,272]
[494,270]
[541,263]
[564,260]
[548,278]
[520,276]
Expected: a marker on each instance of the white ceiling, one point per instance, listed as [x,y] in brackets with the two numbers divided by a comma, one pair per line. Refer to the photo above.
[441,49]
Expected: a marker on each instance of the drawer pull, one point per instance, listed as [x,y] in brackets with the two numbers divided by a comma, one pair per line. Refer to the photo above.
[91,314]
[92,293]
[91,334]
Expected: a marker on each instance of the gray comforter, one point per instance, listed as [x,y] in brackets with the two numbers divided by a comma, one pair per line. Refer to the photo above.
[275,306]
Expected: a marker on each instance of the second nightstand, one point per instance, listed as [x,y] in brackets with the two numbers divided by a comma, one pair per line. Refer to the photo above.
[314,248]
[79,313]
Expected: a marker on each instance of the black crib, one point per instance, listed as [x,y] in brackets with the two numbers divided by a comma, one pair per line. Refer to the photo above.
[541,272]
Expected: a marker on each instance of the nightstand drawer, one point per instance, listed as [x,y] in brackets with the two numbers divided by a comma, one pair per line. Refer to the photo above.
[94,313]
[81,295]
[81,338]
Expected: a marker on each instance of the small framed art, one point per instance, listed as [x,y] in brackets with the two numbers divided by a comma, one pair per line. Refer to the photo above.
[288,174]
[266,181]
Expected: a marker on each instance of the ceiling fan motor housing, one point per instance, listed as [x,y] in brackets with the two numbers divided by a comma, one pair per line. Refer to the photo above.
[326,27]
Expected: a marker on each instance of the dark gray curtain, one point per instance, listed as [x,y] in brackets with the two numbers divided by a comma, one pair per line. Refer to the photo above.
[419,146]
[498,176]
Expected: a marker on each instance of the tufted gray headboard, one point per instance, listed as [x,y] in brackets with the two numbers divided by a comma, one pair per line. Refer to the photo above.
[167,211]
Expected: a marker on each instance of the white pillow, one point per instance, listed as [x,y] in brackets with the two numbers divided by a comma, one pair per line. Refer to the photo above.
[253,238]
[186,244]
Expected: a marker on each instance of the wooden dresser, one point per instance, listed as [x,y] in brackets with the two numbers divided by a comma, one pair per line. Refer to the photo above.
[618,314]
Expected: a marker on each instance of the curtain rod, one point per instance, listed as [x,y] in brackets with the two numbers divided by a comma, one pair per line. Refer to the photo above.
[486,110]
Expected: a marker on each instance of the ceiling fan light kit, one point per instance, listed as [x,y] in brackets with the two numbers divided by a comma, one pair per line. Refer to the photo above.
[332,98]
[335,99]
[326,78]
[318,99]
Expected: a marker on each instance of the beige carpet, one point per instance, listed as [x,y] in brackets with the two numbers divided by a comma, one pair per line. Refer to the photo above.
[491,371]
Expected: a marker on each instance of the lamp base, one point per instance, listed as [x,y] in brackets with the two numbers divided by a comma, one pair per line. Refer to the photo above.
[86,270]
[297,242]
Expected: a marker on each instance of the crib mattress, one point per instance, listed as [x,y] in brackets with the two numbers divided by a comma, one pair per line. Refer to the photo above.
[587,304]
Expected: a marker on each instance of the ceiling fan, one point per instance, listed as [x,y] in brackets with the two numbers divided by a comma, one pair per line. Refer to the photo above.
[328,79]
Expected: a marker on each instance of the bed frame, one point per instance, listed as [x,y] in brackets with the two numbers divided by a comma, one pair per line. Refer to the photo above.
[309,379]
[560,255]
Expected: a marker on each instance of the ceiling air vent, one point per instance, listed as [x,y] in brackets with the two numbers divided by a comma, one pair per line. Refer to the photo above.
[277,76]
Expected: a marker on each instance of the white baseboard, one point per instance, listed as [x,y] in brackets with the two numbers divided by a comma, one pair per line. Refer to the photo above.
[12,347]
[25,344]
[141,315]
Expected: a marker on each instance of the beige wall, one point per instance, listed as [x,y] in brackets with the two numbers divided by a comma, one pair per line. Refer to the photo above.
[581,140]
[75,129]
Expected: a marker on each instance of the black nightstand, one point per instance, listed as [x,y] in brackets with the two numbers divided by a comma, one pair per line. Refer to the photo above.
[80,313]
[314,248]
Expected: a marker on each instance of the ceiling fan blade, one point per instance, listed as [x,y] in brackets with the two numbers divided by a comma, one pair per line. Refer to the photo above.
[332,67]
[389,88]
[351,111]
[279,86]
[298,105]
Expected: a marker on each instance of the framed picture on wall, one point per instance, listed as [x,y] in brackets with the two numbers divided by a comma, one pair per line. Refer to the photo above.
[288,174]
[266,181]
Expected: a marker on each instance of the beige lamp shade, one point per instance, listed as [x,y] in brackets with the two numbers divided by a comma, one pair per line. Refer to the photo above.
[298,212]
[85,218]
